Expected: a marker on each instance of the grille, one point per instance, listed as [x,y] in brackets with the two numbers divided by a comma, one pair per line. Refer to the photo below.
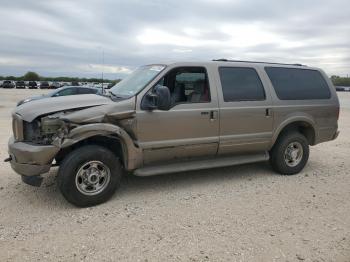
[17,127]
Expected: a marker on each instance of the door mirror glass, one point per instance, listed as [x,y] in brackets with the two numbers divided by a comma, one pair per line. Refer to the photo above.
[163,97]
[158,98]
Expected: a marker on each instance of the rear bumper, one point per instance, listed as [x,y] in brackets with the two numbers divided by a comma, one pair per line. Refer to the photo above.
[327,134]
[30,160]
[336,135]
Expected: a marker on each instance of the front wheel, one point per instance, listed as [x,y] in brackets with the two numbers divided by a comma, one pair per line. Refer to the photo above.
[89,175]
[290,153]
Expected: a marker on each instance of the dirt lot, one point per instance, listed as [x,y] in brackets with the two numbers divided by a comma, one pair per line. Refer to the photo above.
[244,213]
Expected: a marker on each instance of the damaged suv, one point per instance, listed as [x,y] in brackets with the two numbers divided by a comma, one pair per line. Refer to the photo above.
[175,117]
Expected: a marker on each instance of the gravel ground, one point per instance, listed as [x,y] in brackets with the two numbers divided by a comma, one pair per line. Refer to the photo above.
[243,213]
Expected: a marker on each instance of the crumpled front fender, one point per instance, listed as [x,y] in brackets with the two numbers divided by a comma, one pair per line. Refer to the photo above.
[132,154]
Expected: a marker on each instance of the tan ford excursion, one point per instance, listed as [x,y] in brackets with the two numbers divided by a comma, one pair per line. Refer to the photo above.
[166,118]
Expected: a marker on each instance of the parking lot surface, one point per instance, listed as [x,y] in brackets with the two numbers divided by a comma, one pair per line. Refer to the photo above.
[242,213]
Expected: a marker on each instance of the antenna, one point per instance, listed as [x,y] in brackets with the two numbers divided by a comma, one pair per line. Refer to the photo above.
[103,64]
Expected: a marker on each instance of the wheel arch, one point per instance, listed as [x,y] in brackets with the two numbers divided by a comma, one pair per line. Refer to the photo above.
[110,136]
[303,125]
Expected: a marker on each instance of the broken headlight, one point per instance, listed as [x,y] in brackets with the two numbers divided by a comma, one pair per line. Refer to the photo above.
[52,127]
[45,130]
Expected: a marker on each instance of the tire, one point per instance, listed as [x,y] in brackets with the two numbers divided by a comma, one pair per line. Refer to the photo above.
[89,175]
[282,156]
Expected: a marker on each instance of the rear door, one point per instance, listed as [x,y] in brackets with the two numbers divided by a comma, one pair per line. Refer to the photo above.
[246,116]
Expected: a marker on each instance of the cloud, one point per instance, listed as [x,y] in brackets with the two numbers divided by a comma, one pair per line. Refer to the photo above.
[67,37]
[109,69]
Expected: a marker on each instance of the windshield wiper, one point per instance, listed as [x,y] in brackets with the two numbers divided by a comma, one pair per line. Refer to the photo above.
[116,96]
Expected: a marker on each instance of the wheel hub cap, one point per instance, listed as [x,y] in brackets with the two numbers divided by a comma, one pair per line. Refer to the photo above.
[293,154]
[92,178]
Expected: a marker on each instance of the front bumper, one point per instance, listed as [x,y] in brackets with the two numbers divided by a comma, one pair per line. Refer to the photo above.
[30,160]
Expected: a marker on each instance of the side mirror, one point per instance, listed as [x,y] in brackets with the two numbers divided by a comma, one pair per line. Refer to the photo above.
[163,97]
[159,98]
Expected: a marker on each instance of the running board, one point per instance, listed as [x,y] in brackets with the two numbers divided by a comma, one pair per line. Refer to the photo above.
[201,164]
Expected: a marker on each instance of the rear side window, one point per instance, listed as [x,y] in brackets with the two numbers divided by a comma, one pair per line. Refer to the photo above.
[298,84]
[66,92]
[87,91]
[241,84]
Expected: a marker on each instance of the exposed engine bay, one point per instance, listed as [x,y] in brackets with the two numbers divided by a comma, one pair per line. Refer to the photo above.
[45,130]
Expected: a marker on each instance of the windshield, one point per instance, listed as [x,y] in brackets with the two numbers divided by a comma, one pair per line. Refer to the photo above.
[53,92]
[136,81]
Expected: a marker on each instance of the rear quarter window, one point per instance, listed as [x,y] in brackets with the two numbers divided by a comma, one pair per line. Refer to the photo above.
[298,84]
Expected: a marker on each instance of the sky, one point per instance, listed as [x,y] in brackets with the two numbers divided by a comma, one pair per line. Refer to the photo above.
[71,37]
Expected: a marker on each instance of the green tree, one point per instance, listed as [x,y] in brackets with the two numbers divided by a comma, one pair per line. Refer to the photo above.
[31,76]
[340,81]
[11,78]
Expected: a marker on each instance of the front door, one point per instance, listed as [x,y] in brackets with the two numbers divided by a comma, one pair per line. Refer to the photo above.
[190,129]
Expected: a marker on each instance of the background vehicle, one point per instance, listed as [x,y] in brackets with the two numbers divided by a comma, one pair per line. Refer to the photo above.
[20,84]
[8,84]
[44,85]
[32,85]
[63,91]
[342,88]
[175,117]
[97,85]
[55,85]
[110,85]
[105,85]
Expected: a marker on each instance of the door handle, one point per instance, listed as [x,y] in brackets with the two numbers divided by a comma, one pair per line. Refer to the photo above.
[213,115]
[268,112]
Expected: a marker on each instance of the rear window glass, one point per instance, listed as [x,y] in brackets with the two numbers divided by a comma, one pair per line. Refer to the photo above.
[298,84]
[241,84]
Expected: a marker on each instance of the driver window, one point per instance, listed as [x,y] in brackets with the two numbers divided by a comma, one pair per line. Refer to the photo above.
[187,85]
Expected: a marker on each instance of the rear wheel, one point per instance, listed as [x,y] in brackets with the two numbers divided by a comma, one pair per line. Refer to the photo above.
[290,153]
[89,175]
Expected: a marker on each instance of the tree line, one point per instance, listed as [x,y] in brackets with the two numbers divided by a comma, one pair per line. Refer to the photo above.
[33,76]
[340,81]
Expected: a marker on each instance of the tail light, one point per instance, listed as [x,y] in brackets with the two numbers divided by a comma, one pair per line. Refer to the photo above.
[338,112]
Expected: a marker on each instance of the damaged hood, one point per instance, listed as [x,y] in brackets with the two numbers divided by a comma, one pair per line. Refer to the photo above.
[109,113]
[30,111]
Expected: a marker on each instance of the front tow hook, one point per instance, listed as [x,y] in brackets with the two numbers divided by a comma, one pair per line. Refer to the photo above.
[8,159]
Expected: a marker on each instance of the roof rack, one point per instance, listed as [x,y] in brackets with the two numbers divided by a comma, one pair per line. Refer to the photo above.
[256,62]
